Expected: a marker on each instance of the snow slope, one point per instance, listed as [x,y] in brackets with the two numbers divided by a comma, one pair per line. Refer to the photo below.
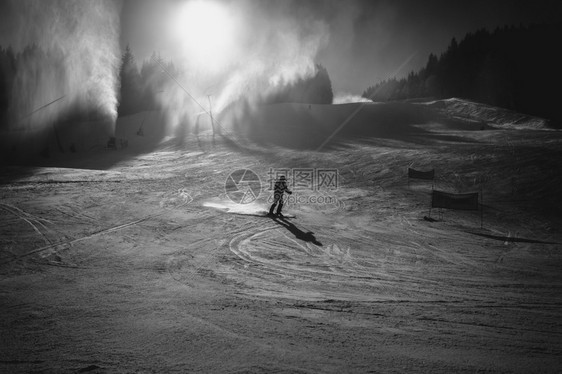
[132,268]
[488,114]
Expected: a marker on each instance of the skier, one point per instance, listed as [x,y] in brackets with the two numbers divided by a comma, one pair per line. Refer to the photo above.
[279,189]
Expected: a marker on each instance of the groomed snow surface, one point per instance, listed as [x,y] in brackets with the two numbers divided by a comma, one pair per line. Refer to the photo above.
[135,260]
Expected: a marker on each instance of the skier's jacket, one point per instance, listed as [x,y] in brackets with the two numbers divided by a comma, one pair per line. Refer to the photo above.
[280,187]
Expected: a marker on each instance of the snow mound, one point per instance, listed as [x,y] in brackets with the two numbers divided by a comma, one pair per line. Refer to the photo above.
[347,98]
[491,115]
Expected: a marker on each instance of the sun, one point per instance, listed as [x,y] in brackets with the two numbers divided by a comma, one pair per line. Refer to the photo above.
[205,30]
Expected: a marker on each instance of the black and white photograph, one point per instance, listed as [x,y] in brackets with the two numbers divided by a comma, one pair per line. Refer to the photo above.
[280,186]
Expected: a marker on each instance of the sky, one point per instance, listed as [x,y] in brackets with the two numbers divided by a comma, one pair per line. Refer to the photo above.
[360,42]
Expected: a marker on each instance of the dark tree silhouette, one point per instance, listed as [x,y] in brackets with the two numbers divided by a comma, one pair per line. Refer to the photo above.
[316,89]
[512,67]
[130,90]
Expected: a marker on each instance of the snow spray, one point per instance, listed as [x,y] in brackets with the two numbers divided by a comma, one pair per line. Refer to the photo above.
[69,58]
[269,44]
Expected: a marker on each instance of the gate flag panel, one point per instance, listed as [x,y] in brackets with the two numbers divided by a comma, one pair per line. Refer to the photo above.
[416,174]
[462,201]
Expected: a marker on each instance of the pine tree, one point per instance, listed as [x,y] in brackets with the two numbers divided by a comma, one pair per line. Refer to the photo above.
[130,91]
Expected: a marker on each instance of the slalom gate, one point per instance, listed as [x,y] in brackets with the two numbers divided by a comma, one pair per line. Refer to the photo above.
[424,175]
[458,201]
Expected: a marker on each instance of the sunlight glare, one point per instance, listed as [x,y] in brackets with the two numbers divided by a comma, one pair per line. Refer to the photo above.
[206,31]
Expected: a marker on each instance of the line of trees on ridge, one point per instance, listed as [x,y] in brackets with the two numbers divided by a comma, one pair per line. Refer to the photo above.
[514,67]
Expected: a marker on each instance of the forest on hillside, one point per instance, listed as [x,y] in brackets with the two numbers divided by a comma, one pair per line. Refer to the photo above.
[514,67]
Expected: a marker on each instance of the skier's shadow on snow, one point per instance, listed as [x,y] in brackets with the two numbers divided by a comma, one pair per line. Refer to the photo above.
[298,233]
